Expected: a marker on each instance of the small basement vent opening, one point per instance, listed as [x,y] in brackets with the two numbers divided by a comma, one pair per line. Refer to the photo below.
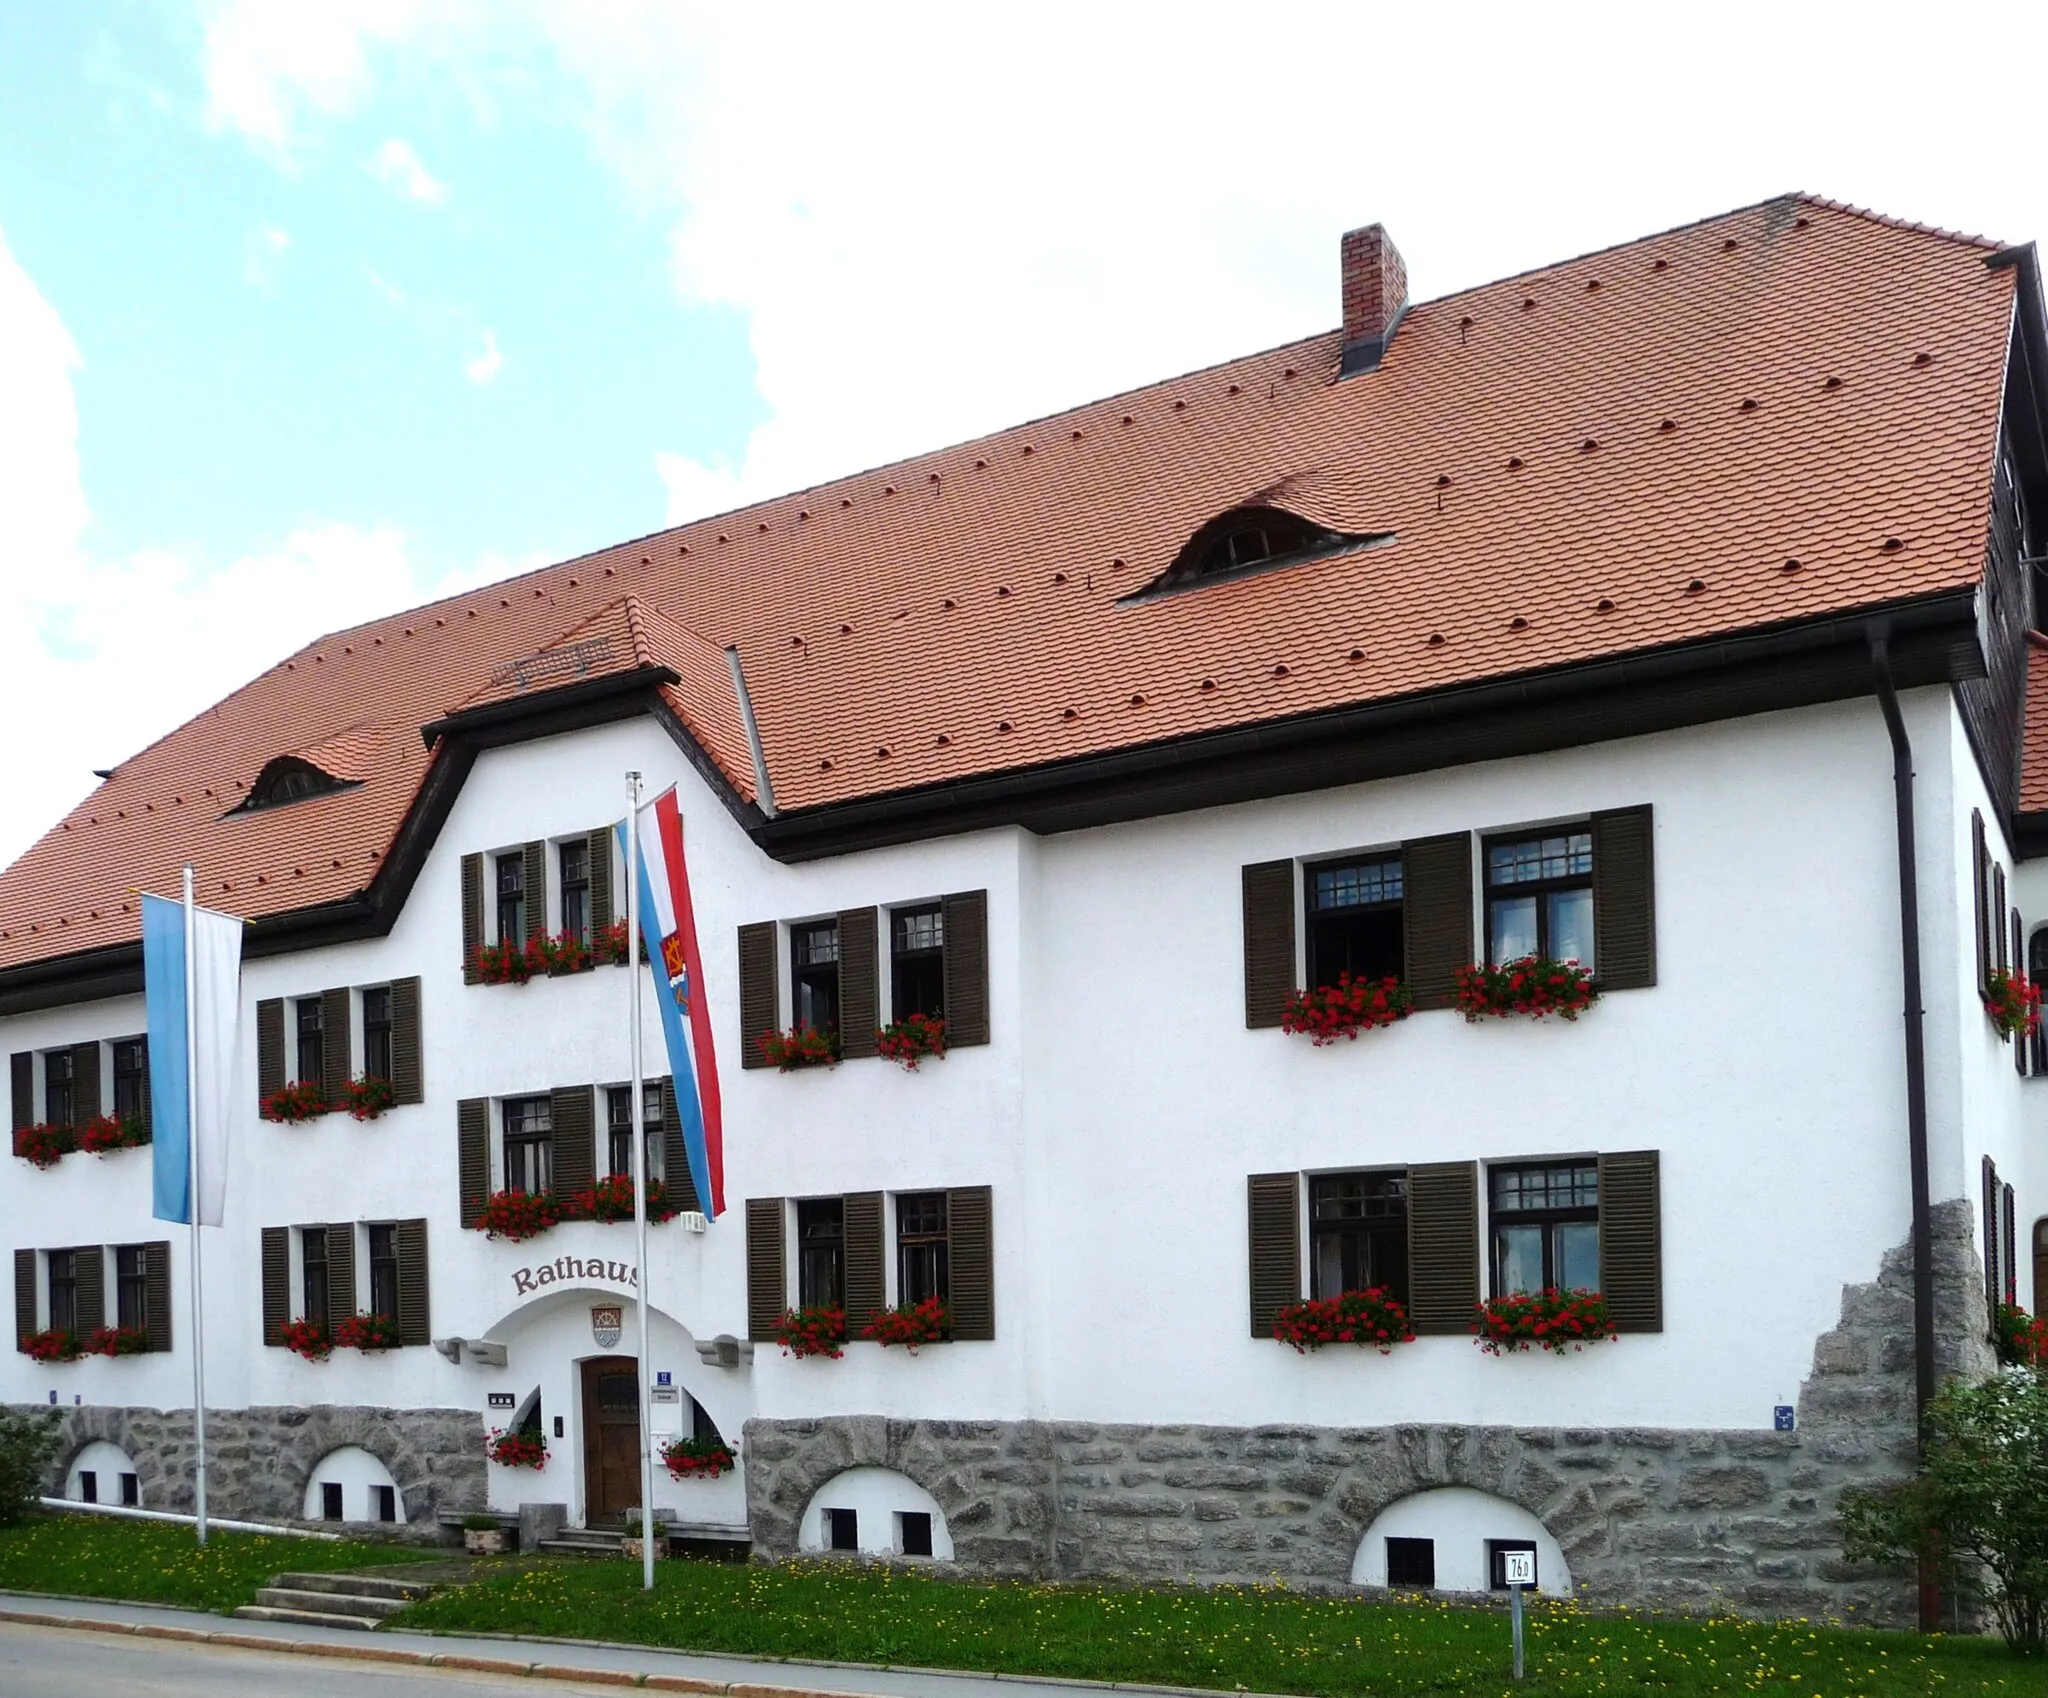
[1455,1539]
[875,1512]
[1249,540]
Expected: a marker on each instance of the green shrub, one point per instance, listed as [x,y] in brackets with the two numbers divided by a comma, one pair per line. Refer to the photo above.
[28,1445]
[482,1524]
[1979,1502]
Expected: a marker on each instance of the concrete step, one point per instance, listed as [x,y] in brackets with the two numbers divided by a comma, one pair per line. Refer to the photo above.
[356,1586]
[305,1618]
[576,1542]
[328,1603]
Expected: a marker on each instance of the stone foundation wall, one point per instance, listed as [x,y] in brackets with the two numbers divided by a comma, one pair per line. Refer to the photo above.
[259,1460]
[1665,1518]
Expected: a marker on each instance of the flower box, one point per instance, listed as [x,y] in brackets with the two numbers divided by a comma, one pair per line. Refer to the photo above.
[611,1199]
[634,1551]
[2013,1001]
[1554,1320]
[697,1459]
[910,1325]
[1533,986]
[117,1341]
[1343,1010]
[44,1146]
[366,1332]
[366,1098]
[565,953]
[292,1104]
[486,1541]
[519,1214]
[102,1137]
[921,1037]
[611,945]
[2021,1339]
[819,1330]
[53,1344]
[516,1449]
[310,1339]
[1372,1317]
[801,1046]
[509,963]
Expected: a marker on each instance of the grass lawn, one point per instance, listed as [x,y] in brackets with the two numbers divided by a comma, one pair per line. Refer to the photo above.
[1252,1638]
[157,1562]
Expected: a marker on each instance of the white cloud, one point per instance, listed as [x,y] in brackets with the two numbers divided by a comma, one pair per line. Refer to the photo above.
[269,61]
[101,655]
[397,164]
[488,363]
[263,257]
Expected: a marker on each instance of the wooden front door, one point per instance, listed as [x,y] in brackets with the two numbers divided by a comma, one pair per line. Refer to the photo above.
[611,1438]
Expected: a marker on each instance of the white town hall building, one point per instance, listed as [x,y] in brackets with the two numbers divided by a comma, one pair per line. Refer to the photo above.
[1611,613]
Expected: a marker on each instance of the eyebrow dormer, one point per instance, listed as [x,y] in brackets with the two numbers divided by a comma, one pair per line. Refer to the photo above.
[1248,540]
[290,778]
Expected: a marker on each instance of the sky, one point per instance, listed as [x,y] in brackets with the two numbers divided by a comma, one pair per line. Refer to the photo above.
[311,310]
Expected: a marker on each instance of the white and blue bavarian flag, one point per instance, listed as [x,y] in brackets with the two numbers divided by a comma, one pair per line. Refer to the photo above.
[183,1111]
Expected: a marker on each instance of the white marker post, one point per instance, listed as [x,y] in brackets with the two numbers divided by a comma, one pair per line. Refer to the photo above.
[1518,1569]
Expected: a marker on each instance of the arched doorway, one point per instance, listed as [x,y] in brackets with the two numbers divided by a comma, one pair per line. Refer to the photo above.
[611,1438]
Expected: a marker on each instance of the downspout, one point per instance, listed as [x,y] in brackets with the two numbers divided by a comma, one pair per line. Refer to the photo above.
[1916,1080]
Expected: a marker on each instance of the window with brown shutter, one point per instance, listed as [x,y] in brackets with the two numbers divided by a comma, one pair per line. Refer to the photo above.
[760,1011]
[1268,896]
[2009,1241]
[1437,917]
[24,1297]
[89,1264]
[23,1070]
[1624,898]
[1443,1246]
[971,1261]
[536,891]
[2040,1265]
[1631,1241]
[472,915]
[858,983]
[269,1048]
[473,1156]
[864,1251]
[767,1283]
[574,1118]
[341,1271]
[1987,1212]
[600,852]
[966,930]
[1980,860]
[414,1323]
[2004,962]
[277,1283]
[676,1178]
[408,1074]
[336,1042]
[156,1292]
[1273,1209]
[85,1083]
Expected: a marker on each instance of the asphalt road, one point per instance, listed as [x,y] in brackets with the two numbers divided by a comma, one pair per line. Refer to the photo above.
[60,1662]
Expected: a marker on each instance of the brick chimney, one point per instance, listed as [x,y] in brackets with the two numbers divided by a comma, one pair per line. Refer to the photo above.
[1375,296]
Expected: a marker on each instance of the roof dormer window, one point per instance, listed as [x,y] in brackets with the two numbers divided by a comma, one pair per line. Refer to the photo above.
[1246,540]
[289,779]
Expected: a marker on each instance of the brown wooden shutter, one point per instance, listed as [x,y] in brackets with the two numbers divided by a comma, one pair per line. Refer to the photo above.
[277,1283]
[759,1000]
[156,1292]
[2040,1265]
[1273,1208]
[473,1156]
[1436,919]
[858,1016]
[767,1284]
[1624,899]
[1443,1246]
[337,1042]
[678,1181]
[23,1068]
[1631,1240]
[600,853]
[341,1270]
[269,1048]
[966,968]
[1998,915]
[574,1138]
[866,1288]
[472,914]
[148,1096]
[971,1262]
[2009,1237]
[90,1261]
[24,1297]
[1268,941]
[410,1240]
[1980,857]
[85,1083]
[536,890]
[408,1073]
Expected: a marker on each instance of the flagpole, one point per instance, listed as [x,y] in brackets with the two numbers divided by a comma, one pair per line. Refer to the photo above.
[192,1219]
[639,1172]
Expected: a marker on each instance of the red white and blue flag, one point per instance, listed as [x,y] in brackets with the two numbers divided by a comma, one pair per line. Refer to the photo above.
[668,925]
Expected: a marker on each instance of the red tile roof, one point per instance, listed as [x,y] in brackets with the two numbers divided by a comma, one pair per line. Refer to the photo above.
[1787,411]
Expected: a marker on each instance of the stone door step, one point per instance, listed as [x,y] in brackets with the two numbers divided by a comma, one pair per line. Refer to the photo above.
[356,1586]
[328,1603]
[305,1618]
